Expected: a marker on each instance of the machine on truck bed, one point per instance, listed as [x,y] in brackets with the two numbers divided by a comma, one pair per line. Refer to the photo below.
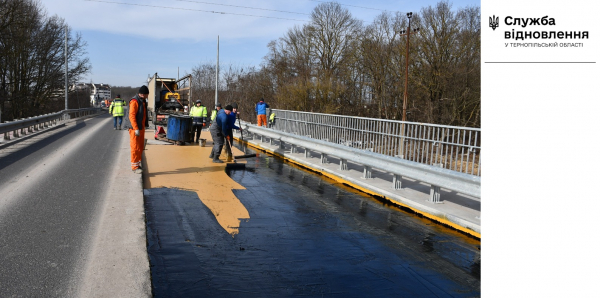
[168,97]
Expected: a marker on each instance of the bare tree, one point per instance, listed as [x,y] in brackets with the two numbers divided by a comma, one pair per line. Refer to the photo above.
[32,64]
[335,65]
[448,65]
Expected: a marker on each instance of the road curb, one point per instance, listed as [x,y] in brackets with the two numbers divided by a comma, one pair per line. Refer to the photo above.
[119,264]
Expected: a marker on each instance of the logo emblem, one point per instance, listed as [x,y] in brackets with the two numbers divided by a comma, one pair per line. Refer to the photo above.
[494,22]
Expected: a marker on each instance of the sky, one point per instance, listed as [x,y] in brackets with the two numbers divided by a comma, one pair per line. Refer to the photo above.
[129,40]
[540,105]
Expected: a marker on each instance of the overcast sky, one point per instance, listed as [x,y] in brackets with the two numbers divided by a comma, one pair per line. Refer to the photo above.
[126,42]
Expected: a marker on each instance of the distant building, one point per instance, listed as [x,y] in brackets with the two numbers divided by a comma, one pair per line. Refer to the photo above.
[99,93]
[80,87]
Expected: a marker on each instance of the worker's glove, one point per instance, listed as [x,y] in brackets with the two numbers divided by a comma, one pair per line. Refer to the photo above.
[228,138]
[137,132]
[203,124]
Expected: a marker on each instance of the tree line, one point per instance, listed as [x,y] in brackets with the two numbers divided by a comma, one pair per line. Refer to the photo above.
[332,64]
[336,64]
[32,61]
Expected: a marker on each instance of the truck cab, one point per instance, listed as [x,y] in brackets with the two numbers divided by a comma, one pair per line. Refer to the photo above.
[168,96]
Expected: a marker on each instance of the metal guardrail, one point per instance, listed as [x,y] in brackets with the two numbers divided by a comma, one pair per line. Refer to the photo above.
[31,124]
[451,147]
[435,176]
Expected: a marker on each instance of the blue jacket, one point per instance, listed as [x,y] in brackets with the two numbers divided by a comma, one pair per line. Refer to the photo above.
[261,108]
[231,121]
[222,122]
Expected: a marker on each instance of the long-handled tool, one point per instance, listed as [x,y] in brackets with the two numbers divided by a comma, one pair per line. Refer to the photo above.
[234,165]
[243,146]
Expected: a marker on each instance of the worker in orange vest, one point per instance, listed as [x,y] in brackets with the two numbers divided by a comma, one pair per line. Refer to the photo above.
[138,111]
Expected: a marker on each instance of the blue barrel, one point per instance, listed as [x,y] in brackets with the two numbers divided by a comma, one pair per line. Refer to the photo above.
[179,127]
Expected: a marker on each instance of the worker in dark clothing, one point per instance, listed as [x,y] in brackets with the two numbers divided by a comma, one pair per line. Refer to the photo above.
[218,131]
[198,113]
[231,118]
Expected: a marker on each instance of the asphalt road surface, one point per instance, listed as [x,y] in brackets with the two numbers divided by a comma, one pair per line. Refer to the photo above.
[52,186]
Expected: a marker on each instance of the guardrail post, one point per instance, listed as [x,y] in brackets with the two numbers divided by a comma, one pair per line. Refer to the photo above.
[16,132]
[323,158]
[434,195]
[7,134]
[294,148]
[343,164]
[306,153]
[281,144]
[367,172]
[434,191]
[22,130]
[397,182]
[270,141]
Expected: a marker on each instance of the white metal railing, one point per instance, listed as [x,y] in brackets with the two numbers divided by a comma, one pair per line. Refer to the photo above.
[14,129]
[450,147]
[436,176]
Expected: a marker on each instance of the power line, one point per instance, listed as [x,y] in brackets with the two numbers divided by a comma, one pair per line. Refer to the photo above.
[202,2]
[363,7]
[190,9]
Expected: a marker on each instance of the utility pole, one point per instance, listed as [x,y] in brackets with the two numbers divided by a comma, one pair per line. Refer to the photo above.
[66,68]
[406,32]
[217,76]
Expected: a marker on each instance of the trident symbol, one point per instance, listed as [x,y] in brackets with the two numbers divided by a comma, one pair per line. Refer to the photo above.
[494,22]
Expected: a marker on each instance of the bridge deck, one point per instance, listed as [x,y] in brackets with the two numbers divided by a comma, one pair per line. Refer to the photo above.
[274,230]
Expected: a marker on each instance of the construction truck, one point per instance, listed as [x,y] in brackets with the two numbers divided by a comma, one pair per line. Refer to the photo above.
[168,97]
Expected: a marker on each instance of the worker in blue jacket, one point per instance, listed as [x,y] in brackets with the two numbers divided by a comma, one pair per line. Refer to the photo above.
[218,131]
[261,112]
[231,118]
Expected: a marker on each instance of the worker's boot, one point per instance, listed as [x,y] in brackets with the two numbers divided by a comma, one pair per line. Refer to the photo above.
[229,158]
[212,154]
[216,159]
[119,127]
[115,128]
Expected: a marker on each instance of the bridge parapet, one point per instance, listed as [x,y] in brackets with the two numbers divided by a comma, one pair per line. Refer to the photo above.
[438,177]
[451,147]
[23,126]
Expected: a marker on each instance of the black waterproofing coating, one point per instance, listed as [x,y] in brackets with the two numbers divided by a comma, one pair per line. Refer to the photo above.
[305,237]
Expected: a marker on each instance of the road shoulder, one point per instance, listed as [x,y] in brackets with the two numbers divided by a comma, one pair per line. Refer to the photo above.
[118,265]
